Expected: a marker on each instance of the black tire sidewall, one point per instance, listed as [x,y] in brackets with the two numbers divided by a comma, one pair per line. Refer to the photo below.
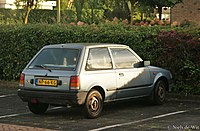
[38,108]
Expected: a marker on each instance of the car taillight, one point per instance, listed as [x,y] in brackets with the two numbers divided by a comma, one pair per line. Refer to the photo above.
[21,82]
[74,83]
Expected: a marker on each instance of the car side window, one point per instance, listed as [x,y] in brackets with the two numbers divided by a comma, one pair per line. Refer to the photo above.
[98,59]
[124,58]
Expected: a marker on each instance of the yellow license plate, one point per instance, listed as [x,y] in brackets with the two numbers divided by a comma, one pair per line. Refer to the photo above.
[45,82]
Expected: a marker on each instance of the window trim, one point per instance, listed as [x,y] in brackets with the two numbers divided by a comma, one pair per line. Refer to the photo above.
[74,69]
[127,48]
[98,69]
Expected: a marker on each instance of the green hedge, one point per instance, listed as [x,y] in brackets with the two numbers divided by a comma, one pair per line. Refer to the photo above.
[164,47]
[182,56]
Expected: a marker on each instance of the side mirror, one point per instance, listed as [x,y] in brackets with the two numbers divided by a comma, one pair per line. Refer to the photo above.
[142,64]
[147,63]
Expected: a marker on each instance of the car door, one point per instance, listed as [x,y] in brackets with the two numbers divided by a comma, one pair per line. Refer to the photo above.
[132,80]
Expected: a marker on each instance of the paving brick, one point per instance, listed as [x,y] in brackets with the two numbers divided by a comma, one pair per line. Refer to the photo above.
[8,127]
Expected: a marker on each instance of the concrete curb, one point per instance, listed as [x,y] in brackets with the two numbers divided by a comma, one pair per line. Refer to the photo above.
[184,98]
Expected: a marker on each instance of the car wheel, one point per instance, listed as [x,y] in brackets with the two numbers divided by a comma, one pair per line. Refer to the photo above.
[93,105]
[38,108]
[159,92]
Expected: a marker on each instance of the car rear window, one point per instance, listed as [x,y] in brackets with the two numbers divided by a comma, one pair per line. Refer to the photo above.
[56,58]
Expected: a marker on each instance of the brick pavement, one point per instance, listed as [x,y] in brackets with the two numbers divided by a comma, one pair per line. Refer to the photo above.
[8,127]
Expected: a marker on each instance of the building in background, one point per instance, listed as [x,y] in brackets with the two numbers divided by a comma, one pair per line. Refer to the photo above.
[188,10]
[165,13]
[10,4]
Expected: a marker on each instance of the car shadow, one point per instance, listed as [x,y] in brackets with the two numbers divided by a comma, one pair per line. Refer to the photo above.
[110,108]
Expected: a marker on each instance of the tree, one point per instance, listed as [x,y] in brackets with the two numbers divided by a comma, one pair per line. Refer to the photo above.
[131,5]
[94,5]
[117,8]
[79,4]
[65,4]
[28,6]
[141,6]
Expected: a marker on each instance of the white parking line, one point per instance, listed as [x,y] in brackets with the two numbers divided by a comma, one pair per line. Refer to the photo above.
[2,96]
[12,115]
[138,121]
[20,114]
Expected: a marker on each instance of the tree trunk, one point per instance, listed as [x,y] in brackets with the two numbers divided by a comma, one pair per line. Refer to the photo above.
[130,6]
[79,6]
[129,12]
[27,14]
[133,4]
[142,16]
[92,14]
[160,12]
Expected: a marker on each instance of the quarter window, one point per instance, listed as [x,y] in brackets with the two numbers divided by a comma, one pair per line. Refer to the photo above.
[98,59]
[124,58]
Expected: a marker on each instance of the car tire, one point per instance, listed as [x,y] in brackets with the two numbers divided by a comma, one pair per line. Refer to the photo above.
[38,108]
[93,104]
[159,95]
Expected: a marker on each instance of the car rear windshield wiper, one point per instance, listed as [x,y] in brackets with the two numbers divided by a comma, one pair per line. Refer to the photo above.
[43,67]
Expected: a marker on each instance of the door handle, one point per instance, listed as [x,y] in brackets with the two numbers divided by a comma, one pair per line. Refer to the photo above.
[121,74]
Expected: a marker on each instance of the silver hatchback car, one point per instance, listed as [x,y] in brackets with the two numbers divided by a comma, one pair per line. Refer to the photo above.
[89,75]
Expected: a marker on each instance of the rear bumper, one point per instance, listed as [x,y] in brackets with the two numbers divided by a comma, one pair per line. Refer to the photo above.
[58,98]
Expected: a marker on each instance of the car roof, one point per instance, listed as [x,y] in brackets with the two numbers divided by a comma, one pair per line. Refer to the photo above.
[84,45]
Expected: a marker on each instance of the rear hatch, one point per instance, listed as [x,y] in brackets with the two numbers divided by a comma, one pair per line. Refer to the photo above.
[51,69]
[49,81]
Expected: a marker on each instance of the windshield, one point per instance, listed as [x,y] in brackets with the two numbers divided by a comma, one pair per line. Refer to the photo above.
[56,58]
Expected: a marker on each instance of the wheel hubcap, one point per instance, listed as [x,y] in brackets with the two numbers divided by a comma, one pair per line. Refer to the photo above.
[161,92]
[94,103]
